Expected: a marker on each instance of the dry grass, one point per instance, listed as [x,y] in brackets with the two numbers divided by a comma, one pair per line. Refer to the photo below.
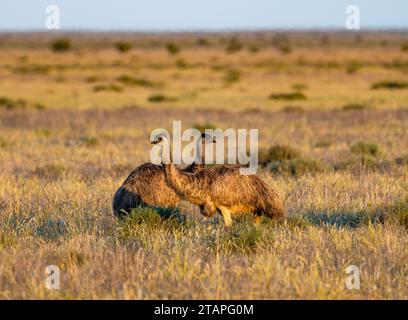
[60,165]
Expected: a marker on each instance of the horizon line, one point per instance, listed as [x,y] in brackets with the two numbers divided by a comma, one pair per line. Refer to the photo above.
[208,30]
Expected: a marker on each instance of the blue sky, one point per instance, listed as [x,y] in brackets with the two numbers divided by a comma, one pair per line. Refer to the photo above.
[190,15]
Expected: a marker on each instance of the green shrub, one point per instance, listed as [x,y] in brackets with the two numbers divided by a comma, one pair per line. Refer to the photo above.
[323,143]
[288,161]
[43,132]
[203,42]
[91,79]
[32,69]
[392,85]
[181,63]
[234,45]
[398,64]
[284,48]
[60,45]
[278,153]
[88,141]
[242,237]
[355,107]
[365,161]
[232,76]
[404,46]
[7,240]
[10,104]
[298,166]
[297,221]
[299,86]
[253,49]
[3,143]
[282,44]
[173,48]
[39,106]
[365,148]
[123,46]
[153,218]
[157,98]
[152,215]
[353,67]
[398,212]
[131,81]
[110,87]
[293,109]
[288,96]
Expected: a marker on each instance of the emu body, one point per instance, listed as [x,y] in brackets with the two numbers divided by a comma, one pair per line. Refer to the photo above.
[223,189]
[146,186]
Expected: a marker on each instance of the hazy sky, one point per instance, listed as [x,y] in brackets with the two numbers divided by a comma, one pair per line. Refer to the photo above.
[172,15]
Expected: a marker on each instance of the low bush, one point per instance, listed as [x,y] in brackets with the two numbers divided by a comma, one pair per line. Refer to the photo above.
[109,87]
[158,98]
[88,141]
[232,76]
[355,107]
[285,160]
[288,96]
[60,45]
[11,104]
[398,212]
[392,85]
[123,46]
[293,109]
[173,48]
[234,45]
[141,82]
[365,148]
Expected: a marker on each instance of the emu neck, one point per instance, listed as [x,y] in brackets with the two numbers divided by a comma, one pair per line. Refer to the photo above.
[186,185]
[166,152]
[200,158]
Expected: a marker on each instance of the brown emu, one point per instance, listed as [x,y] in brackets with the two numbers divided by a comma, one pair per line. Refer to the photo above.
[221,189]
[146,186]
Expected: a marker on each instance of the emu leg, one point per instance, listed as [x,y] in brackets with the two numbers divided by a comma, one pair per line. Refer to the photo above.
[226,215]
[208,209]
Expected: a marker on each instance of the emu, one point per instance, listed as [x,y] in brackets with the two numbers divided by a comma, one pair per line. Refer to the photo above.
[146,185]
[221,189]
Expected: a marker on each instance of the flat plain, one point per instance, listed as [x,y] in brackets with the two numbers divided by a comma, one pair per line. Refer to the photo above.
[76,112]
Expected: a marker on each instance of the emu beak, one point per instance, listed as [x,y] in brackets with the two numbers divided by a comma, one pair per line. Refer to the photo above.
[157,140]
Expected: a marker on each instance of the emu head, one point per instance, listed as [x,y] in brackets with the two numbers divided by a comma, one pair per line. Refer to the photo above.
[158,139]
[207,138]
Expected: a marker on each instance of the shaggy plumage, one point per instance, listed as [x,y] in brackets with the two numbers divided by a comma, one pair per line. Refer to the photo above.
[146,186]
[223,189]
